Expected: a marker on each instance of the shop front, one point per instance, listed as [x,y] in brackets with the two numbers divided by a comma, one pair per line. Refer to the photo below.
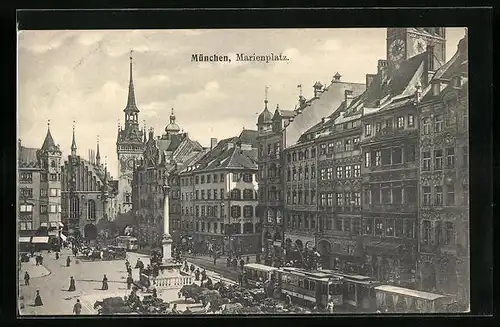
[390,263]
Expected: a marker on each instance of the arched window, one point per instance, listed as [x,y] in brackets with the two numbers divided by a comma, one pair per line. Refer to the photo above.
[91,210]
[247,194]
[75,207]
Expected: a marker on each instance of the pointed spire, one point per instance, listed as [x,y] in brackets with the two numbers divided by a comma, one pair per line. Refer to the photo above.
[98,156]
[265,97]
[48,143]
[131,106]
[172,117]
[73,142]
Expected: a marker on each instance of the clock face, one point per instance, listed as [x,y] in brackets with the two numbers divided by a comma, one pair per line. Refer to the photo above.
[419,46]
[396,50]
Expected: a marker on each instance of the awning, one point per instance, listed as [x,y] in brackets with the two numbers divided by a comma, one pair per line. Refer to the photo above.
[383,248]
[53,224]
[44,225]
[40,239]
[63,237]
[24,239]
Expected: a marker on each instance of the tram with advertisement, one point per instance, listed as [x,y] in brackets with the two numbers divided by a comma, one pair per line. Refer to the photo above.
[128,243]
[311,287]
[256,272]
[358,291]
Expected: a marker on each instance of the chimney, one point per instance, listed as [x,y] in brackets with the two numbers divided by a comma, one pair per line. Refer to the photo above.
[317,89]
[348,97]
[213,143]
[369,79]
[336,78]
[382,69]
[436,87]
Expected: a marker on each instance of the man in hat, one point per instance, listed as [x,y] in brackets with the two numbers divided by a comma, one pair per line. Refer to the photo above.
[77,308]
[26,279]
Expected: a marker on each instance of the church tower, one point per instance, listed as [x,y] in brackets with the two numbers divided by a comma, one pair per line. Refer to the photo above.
[129,148]
[50,182]
[405,43]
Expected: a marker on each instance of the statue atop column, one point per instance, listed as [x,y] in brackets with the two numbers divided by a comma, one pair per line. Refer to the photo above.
[166,238]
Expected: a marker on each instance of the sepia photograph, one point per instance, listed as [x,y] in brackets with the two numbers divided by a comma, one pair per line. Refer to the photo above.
[243,171]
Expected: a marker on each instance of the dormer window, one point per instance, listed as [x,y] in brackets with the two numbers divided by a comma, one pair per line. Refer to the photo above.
[436,88]
[457,81]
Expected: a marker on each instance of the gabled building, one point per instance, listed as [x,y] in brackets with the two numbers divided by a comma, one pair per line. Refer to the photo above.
[225,196]
[444,180]
[162,154]
[88,193]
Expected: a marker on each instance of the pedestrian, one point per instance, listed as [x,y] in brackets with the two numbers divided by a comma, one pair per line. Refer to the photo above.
[72,286]
[68,262]
[57,255]
[330,307]
[187,311]
[155,293]
[197,274]
[228,261]
[174,308]
[77,308]
[129,270]
[240,279]
[37,260]
[215,260]
[248,259]
[203,275]
[41,260]
[26,279]
[191,268]
[129,281]
[38,299]
[242,264]
[104,283]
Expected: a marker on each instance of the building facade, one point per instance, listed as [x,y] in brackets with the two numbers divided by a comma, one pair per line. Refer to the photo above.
[39,186]
[88,194]
[167,153]
[444,181]
[225,196]
[129,148]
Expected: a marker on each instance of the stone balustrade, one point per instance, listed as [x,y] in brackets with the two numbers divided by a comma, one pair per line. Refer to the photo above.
[172,281]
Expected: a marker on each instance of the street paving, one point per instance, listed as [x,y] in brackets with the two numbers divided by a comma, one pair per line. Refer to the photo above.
[52,280]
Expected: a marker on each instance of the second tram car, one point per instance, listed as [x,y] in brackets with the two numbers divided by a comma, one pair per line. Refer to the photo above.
[311,288]
[256,272]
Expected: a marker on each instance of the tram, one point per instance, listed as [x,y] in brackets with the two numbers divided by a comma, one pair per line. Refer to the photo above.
[311,287]
[127,242]
[400,299]
[256,272]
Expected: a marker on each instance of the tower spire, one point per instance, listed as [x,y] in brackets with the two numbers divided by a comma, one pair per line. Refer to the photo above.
[73,142]
[265,97]
[131,105]
[98,155]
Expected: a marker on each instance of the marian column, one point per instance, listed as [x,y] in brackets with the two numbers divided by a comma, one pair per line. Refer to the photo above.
[167,239]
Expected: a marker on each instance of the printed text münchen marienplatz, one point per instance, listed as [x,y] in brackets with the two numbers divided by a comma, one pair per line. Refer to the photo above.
[263,58]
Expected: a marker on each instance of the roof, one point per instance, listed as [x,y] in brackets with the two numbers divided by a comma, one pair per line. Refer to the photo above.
[265,116]
[287,113]
[49,144]
[313,110]
[28,158]
[249,136]
[409,292]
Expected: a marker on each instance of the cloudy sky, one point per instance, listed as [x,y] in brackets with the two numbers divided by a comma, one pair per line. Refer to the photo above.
[83,76]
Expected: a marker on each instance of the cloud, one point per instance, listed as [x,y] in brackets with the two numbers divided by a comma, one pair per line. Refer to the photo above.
[330,45]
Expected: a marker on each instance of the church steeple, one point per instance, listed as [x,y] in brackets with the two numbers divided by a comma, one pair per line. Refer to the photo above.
[131,105]
[98,155]
[73,142]
[49,144]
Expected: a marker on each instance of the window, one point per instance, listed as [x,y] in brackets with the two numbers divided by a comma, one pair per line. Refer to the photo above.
[197,180]
[53,192]
[426,125]
[411,121]
[439,195]
[397,155]
[53,177]
[313,172]
[322,199]
[288,197]
[52,208]
[356,226]
[397,195]
[331,147]
[348,198]
[375,195]
[379,226]
[221,177]
[43,208]
[26,177]
[389,227]
[43,193]
[348,171]
[294,197]
[465,122]
[450,195]
[338,224]
[410,153]
[438,159]
[209,179]
[322,149]
[378,155]
[386,157]
[236,194]
[294,174]
[465,193]
[339,172]
[247,194]
[340,200]
[378,127]
[386,193]
[368,130]
[426,232]
[438,124]
[329,199]
[215,193]
[197,193]
[306,172]
[300,173]
[26,207]
[27,192]
[398,227]
[91,210]
[367,196]
[288,174]
[426,191]
[348,145]
[248,211]
[322,174]
[401,122]
[209,195]
[367,159]
[203,211]
[203,194]
[355,141]
[426,161]
[216,178]
[329,173]
[357,170]
[313,153]
[450,157]
[294,156]
[247,178]
[368,226]
[197,211]
[409,228]
[26,225]
[449,233]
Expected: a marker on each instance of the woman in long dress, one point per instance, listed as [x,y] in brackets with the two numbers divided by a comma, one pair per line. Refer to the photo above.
[38,299]
[72,286]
